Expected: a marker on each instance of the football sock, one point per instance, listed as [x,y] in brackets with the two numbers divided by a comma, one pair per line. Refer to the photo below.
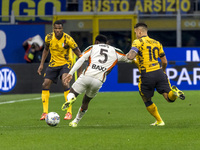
[79,115]
[65,95]
[154,111]
[45,100]
[171,96]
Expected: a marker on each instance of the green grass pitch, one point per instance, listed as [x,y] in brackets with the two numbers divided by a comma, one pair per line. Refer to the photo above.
[114,121]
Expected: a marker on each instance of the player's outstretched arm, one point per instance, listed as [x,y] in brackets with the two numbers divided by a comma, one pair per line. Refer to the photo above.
[131,54]
[78,54]
[68,78]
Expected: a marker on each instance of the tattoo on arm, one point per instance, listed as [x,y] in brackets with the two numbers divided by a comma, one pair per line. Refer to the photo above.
[131,54]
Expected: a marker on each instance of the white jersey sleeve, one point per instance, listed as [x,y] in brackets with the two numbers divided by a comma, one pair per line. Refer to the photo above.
[121,56]
[81,60]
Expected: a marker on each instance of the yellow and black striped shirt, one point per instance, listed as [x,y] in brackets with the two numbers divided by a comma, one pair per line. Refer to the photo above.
[148,50]
[61,50]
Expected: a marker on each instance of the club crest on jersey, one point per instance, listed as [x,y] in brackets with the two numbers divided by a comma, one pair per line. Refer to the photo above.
[64,45]
[100,68]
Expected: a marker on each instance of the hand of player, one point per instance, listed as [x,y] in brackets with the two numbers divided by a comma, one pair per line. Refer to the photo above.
[40,69]
[68,78]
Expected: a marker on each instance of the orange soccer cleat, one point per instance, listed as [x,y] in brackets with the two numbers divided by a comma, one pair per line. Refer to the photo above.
[68,116]
[43,116]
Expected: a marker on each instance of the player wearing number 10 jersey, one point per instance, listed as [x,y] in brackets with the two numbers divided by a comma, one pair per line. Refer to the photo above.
[102,58]
[146,52]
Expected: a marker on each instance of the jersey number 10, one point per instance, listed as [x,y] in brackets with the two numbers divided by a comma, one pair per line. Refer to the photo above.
[153,52]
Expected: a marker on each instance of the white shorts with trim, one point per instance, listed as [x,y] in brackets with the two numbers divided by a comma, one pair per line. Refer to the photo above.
[88,85]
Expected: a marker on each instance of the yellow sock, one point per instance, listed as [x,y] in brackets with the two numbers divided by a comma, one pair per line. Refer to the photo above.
[65,95]
[154,112]
[171,96]
[45,100]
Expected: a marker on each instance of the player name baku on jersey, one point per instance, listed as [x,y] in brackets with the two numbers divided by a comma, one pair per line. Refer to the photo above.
[97,67]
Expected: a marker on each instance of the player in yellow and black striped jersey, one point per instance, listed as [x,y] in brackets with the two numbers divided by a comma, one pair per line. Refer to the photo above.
[145,52]
[149,51]
[61,46]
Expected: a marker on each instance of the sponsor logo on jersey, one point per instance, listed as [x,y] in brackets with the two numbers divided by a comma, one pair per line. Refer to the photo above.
[7,79]
[97,67]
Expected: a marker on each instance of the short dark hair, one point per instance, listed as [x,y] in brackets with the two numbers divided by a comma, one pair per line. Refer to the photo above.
[58,22]
[140,25]
[101,38]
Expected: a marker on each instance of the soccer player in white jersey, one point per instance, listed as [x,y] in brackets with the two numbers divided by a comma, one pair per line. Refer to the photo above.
[102,58]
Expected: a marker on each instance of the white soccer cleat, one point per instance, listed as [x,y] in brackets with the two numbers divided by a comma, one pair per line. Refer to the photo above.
[161,123]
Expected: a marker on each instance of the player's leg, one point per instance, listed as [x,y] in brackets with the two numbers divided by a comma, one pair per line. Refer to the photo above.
[173,94]
[71,98]
[93,86]
[63,72]
[153,110]
[77,88]
[168,92]
[146,88]
[51,75]
[45,97]
[68,115]
[81,112]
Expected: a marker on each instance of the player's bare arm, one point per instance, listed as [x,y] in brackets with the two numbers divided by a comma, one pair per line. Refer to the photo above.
[131,54]
[163,63]
[68,78]
[77,66]
[44,56]
[78,54]
[77,51]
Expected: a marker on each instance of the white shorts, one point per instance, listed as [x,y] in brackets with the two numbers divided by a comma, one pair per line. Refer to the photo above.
[88,85]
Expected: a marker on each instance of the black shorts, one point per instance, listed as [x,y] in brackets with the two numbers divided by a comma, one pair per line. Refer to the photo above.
[53,73]
[150,81]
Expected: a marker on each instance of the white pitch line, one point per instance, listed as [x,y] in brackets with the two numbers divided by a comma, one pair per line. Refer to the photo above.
[27,99]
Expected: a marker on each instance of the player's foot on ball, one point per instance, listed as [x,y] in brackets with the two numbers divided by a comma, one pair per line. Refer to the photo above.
[43,116]
[68,116]
[178,92]
[160,123]
[73,124]
[67,104]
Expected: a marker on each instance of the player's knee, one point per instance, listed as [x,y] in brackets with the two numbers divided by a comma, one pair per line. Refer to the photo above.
[70,96]
[45,85]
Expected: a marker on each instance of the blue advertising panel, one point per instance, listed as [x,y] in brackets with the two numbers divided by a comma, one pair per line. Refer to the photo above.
[189,54]
[12,38]
[144,6]
[30,8]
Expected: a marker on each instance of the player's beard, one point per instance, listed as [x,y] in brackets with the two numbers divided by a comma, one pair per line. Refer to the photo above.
[58,34]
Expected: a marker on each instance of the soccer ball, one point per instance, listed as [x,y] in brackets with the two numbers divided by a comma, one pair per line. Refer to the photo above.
[52,119]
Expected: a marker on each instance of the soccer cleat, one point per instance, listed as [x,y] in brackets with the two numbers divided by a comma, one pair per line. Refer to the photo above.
[68,116]
[43,116]
[178,92]
[67,104]
[161,123]
[73,124]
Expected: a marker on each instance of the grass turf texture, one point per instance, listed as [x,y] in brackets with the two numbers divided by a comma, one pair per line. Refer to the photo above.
[114,121]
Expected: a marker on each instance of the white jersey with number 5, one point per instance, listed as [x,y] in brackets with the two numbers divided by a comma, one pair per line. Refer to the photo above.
[102,58]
